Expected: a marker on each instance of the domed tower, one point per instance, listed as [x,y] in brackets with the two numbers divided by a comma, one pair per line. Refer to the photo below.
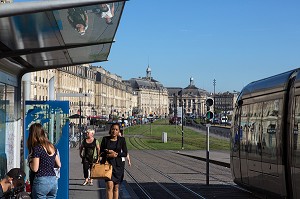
[192,81]
[148,73]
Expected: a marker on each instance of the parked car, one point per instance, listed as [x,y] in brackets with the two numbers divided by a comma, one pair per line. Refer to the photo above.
[216,121]
[224,120]
[175,120]
[125,122]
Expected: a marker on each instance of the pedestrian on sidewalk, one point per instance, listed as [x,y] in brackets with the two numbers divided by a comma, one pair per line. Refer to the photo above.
[89,152]
[113,148]
[127,157]
[42,160]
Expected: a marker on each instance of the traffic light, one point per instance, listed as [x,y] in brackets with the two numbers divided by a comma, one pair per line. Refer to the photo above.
[123,122]
[209,114]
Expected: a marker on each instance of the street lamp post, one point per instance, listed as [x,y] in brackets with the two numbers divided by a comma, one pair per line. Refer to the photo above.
[181,120]
[111,112]
[80,131]
[214,82]
[94,118]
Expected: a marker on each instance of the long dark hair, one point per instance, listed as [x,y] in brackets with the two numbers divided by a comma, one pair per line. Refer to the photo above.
[37,136]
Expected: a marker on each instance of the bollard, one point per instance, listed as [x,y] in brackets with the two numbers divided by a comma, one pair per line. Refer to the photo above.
[164,137]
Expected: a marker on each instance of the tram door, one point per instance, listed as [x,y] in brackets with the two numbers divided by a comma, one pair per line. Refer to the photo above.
[253,129]
[243,134]
[235,146]
[271,125]
[295,145]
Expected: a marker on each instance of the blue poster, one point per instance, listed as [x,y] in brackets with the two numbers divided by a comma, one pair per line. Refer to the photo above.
[53,115]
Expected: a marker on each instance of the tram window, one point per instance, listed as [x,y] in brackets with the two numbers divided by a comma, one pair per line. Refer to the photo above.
[235,137]
[243,130]
[296,137]
[270,127]
[254,125]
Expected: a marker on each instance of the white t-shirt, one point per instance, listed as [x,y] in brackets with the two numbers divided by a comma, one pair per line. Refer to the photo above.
[107,13]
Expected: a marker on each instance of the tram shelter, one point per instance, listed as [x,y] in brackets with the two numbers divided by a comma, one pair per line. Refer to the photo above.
[45,35]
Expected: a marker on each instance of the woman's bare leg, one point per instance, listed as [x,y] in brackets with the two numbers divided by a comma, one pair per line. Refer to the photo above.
[116,191]
[109,189]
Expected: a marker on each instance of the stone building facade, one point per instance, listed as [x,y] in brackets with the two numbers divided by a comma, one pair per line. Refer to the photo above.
[113,95]
[191,98]
[152,96]
[225,102]
[106,93]
[109,95]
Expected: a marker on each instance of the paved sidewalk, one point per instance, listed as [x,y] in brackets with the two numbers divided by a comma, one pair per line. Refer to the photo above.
[76,190]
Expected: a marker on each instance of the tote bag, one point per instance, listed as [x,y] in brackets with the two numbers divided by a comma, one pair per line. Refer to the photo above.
[101,171]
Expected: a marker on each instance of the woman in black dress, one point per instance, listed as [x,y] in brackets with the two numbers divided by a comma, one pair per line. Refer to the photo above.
[112,149]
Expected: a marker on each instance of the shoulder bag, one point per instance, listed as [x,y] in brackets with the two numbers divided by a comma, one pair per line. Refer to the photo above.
[101,171]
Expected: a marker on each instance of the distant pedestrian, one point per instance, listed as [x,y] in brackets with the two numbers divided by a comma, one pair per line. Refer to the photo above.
[113,148]
[42,160]
[89,153]
[127,157]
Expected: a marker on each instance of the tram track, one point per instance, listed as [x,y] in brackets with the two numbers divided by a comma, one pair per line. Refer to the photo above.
[165,174]
[178,161]
[137,143]
[168,190]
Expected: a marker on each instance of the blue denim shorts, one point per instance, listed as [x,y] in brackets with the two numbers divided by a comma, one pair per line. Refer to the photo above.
[44,187]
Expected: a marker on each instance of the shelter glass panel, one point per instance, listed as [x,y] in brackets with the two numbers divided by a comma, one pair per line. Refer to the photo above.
[3,157]
[61,37]
[8,134]
[2,117]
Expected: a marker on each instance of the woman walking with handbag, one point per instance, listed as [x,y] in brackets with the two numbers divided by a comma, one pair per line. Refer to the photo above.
[43,158]
[113,148]
[91,148]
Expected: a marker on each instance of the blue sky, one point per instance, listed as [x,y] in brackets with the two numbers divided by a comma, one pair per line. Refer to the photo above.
[233,41]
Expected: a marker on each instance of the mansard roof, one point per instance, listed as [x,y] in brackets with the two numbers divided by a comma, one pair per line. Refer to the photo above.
[191,90]
[145,83]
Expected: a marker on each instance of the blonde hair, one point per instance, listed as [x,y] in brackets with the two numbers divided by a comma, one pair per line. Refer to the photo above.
[91,131]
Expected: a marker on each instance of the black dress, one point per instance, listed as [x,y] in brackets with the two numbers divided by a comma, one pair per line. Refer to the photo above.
[120,147]
[118,170]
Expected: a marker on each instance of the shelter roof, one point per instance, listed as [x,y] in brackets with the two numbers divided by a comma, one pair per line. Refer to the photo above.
[52,34]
